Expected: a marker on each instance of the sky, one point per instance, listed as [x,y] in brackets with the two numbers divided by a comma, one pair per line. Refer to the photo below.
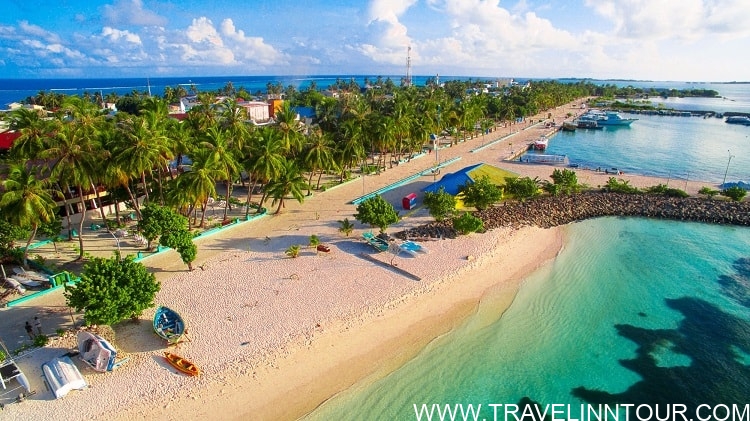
[674,40]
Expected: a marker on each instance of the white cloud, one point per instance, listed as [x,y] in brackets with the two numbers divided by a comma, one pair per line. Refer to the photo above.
[253,49]
[675,19]
[115,35]
[37,31]
[131,12]
[388,38]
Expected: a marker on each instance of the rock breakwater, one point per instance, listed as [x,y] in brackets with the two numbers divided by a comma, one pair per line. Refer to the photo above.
[549,211]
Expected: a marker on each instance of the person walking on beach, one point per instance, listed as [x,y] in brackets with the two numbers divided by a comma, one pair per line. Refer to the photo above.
[29,330]
[38,324]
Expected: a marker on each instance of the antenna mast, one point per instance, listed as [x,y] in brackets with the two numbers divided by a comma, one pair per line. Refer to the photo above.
[408,66]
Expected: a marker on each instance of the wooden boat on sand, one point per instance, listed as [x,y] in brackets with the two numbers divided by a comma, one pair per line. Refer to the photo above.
[182,364]
[168,324]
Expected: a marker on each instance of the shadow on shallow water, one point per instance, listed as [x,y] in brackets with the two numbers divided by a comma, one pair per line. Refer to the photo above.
[712,345]
[704,361]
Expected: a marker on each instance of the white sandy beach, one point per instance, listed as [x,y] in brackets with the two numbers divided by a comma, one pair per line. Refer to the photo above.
[277,336]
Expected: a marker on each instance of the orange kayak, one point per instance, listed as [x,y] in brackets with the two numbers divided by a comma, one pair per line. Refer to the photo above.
[182,364]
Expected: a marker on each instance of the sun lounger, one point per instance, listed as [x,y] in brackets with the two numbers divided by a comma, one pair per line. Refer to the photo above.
[377,243]
[30,283]
[15,285]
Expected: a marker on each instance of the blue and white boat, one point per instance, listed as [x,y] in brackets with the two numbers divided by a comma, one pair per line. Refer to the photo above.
[609,118]
[168,324]
[97,352]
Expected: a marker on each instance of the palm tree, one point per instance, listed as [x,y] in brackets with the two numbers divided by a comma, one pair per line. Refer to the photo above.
[222,159]
[140,150]
[289,181]
[34,130]
[318,155]
[199,184]
[76,155]
[27,201]
[266,159]
[291,129]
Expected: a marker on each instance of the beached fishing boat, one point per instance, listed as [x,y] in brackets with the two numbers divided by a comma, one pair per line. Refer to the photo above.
[168,324]
[97,352]
[182,364]
[62,376]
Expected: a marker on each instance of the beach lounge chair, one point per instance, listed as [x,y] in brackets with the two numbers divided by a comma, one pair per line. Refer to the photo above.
[377,243]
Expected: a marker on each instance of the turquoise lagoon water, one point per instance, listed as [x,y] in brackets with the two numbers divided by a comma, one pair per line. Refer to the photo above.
[631,311]
[672,148]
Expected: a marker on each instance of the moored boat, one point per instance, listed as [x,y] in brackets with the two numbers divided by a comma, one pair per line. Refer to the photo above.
[583,123]
[169,325]
[609,118]
[182,364]
[569,126]
[540,144]
[738,119]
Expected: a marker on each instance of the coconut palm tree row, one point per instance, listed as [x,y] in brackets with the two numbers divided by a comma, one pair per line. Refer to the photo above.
[79,151]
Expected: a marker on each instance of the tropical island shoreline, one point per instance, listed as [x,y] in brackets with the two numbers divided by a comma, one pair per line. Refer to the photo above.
[291,333]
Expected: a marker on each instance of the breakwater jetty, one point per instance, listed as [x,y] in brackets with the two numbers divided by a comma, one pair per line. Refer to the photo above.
[551,211]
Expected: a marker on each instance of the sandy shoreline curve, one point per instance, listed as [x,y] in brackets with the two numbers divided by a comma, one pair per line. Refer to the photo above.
[276,336]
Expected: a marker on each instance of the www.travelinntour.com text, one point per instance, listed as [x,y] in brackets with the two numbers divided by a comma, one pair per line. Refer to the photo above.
[583,412]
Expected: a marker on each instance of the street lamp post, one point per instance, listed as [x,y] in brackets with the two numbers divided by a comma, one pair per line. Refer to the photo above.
[117,242]
[727,170]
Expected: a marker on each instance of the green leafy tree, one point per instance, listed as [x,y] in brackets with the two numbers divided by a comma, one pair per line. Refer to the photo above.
[181,240]
[521,188]
[735,193]
[9,234]
[482,193]
[440,204]
[158,220]
[52,230]
[565,182]
[26,201]
[112,289]
[376,212]
[467,223]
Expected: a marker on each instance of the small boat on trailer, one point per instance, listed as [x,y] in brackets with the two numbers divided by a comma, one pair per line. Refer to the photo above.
[169,325]
[182,364]
[9,370]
